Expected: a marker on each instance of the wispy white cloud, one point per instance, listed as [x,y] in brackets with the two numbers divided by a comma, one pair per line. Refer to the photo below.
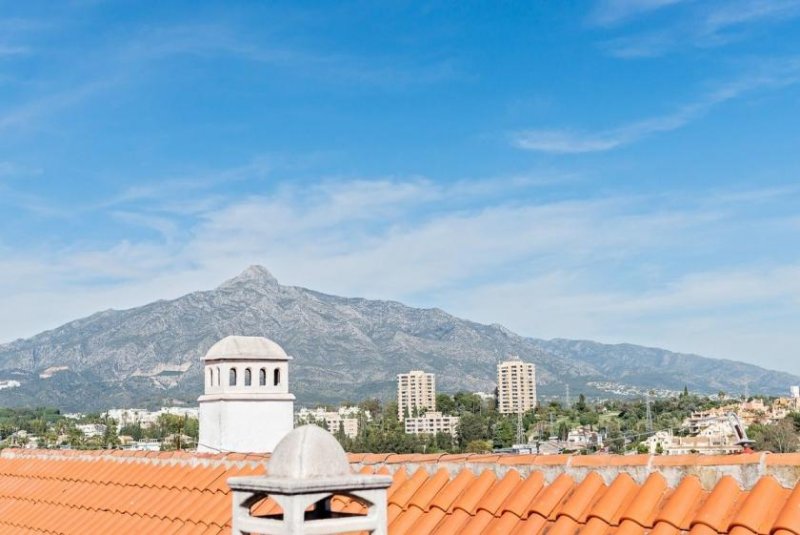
[609,12]
[774,75]
[703,25]
[31,113]
[746,313]
[213,41]
[13,50]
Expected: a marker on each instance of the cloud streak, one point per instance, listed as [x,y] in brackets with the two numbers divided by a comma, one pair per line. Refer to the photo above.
[211,41]
[702,25]
[564,141]
[610,12]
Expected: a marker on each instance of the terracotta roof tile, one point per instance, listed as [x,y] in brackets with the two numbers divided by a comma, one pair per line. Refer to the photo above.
[184,493]
[518,502]
[642,510]
[789,518]
[564,526]
[679,504]
[428,522]
[713,514]
[478,523]
[493,500]
[455,522]
[546,502]
[473,494]
[762,506]
[618,495]
[407,490]
[503,525]
[445,499]
[429,490]
[585,494]
[532,525]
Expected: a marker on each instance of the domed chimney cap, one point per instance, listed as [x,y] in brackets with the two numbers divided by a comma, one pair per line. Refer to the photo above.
[246,348]
[308,452]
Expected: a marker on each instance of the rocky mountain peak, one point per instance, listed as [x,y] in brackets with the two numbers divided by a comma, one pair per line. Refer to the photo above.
[343,349]
[254,274]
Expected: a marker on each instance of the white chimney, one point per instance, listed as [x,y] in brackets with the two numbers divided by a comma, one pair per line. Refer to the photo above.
[246,406]
[307,469]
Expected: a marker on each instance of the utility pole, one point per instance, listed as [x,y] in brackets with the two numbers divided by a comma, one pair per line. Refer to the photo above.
[520,430]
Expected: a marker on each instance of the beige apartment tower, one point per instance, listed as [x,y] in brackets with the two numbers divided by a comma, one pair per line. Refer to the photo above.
[416,391]
[516,386]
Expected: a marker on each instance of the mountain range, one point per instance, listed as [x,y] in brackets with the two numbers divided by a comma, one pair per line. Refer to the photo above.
[343,349]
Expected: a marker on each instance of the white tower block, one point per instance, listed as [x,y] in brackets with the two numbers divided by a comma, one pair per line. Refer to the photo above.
[246,406]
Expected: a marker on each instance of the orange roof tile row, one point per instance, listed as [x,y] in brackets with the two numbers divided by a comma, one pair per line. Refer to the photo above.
[68,492]
[577,461]
[485,504]
[105,492]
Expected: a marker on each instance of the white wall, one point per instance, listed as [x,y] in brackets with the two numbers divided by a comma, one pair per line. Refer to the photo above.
[244,425]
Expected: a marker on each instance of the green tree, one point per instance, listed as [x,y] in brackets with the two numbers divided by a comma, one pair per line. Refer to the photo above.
[563,431]
[505,433]
[795,416]
[110,438]
[615,439]
[780,437]
[443,442]
[580,406]
[588,418]
[472,427]
[478,446]
[468,402]
[132,430]
[445,404]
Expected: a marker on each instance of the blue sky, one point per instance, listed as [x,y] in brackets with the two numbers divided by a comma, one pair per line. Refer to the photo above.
[620,170]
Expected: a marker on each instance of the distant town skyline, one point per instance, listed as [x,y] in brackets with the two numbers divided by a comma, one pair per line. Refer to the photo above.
[621,171]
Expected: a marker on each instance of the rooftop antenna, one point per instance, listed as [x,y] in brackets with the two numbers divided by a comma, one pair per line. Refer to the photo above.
[741,434]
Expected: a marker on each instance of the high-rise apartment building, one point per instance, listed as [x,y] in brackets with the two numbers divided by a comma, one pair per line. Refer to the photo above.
[416,391]
[516,386]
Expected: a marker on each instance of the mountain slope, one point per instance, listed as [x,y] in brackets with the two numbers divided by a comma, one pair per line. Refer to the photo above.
[344,348]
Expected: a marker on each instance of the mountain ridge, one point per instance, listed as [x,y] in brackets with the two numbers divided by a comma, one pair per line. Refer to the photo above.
[344,348]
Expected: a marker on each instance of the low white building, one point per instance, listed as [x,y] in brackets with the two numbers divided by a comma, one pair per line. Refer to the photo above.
[485,396]
[582,438]
[150,444]
[145,418]
[712,440]
[91,430]
[431,423]
[345,419]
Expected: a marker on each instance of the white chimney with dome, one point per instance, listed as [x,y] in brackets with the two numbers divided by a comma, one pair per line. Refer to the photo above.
[246,406]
